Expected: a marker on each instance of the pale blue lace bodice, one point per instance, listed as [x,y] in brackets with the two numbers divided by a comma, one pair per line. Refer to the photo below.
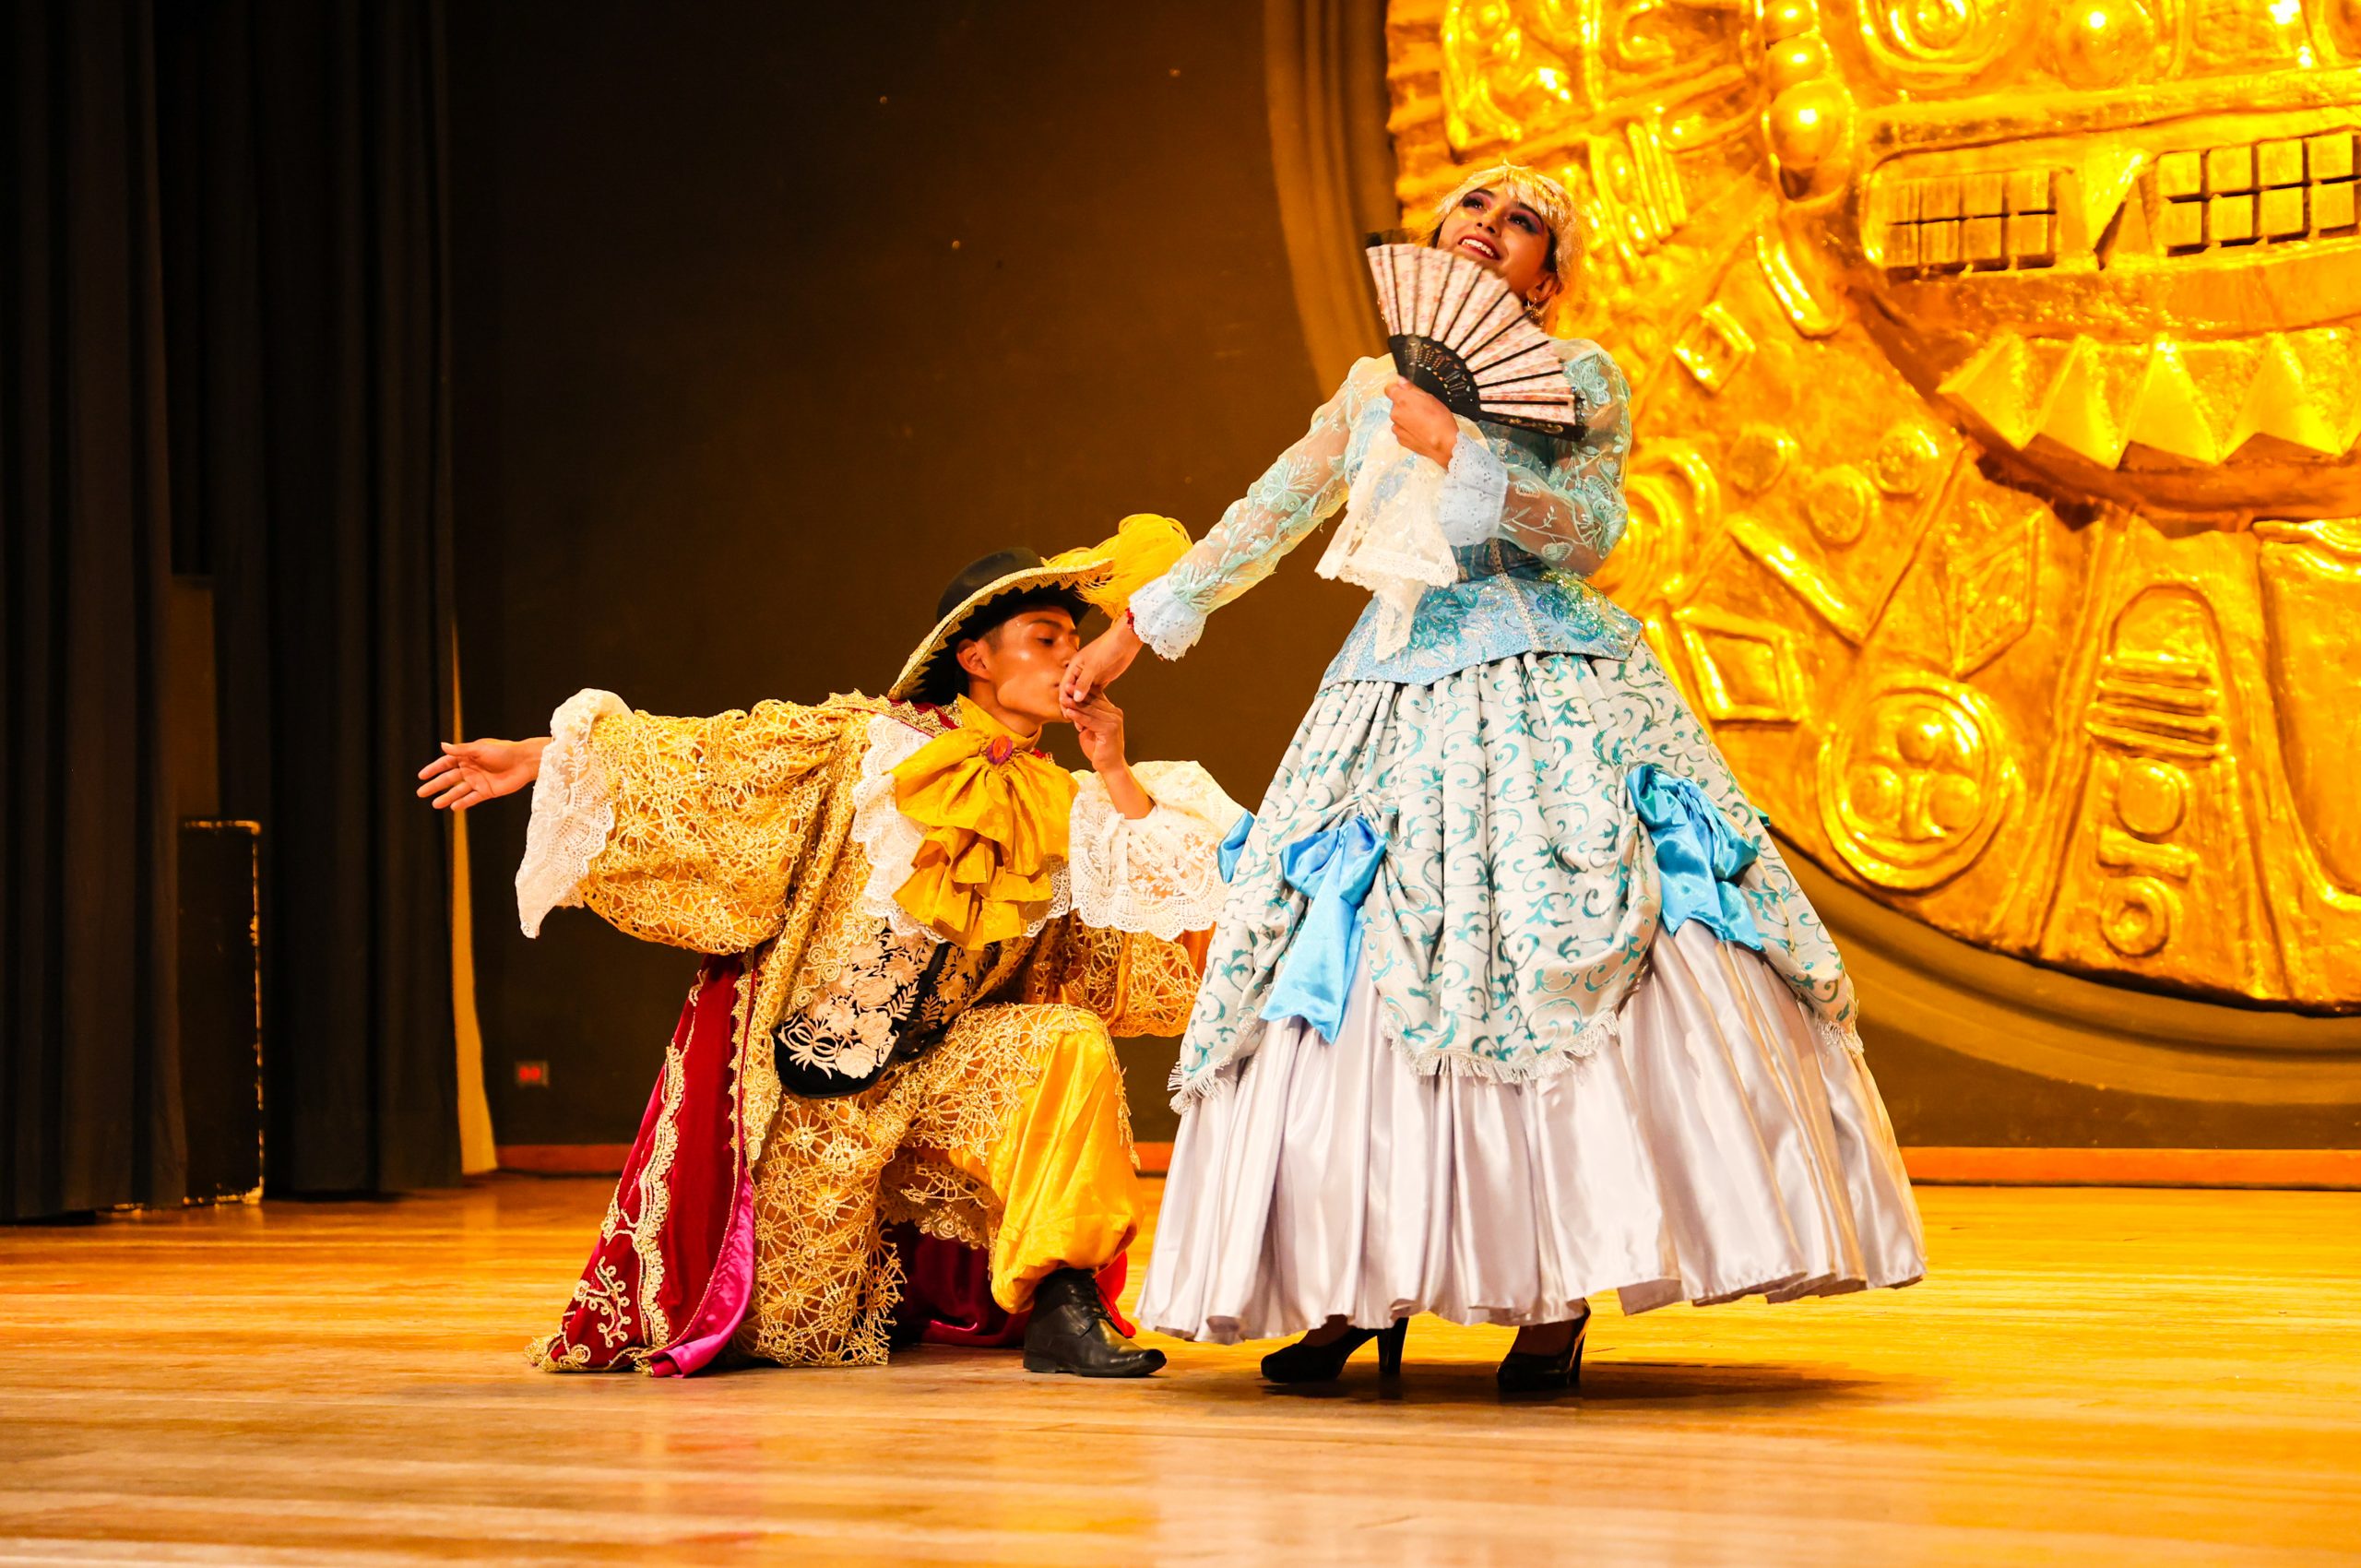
[1506,602]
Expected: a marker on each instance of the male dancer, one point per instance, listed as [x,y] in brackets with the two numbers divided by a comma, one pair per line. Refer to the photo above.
[919,934]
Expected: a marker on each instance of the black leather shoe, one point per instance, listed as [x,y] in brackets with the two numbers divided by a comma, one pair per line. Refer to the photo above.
[1071,1333]
[1525,1372]
[1300,1362]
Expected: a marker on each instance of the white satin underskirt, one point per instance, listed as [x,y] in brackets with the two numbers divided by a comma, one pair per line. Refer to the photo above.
[1720,1149]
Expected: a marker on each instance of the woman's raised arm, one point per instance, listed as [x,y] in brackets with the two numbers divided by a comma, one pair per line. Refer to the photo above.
[1298,493]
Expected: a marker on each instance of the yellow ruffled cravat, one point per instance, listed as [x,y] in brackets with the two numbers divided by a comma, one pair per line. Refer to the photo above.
[994,812]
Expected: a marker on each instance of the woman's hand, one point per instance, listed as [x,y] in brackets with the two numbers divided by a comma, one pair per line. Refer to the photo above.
[1421,423]
[471,772]
[1099,725]
[1093,670]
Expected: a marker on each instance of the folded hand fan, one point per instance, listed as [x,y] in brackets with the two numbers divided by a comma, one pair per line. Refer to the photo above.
[1459,333]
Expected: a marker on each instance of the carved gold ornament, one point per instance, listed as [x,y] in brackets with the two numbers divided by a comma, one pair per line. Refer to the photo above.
[1998,371]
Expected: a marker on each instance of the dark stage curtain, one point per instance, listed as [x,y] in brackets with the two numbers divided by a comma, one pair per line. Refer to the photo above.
[224,352]
[89,1112]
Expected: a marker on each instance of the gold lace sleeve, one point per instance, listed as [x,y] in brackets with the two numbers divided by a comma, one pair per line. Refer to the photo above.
[1139,984]
[712,820]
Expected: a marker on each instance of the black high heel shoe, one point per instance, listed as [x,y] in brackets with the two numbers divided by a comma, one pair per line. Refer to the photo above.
[1523,1371]
[1300,1362]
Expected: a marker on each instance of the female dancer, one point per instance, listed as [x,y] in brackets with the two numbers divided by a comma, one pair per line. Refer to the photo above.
[1512,999]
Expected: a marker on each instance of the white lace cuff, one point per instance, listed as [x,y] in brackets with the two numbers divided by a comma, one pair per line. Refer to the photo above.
[1475,490]
[891,841]
[573,812]
[1166,624]
[1160,874]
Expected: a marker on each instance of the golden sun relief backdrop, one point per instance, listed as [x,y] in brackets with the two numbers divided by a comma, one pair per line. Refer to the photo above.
[1997,390]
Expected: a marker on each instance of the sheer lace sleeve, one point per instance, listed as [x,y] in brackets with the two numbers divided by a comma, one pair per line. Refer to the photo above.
[1160,874]
[1568,510]
[1298,493]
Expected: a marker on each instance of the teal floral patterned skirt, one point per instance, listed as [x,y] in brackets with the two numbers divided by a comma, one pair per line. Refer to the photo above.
[1517,893]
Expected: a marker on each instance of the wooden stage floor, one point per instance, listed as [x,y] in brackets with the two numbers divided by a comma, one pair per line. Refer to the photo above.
[2128,1377]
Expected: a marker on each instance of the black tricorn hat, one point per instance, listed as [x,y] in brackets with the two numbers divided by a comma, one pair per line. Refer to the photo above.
[979,598]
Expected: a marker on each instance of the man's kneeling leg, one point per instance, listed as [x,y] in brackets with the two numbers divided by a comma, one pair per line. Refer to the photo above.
[1061,1169]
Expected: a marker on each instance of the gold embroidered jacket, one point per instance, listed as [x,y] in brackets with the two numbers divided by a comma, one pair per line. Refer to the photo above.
[773,833]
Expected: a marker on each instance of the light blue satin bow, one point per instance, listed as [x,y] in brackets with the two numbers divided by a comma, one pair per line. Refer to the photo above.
[1334,868]
[1234,846]
[1699,856]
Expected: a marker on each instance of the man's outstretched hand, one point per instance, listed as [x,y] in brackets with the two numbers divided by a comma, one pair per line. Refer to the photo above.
[471,772]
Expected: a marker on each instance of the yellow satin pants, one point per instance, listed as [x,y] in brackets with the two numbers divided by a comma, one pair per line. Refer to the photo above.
[1011,1135]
